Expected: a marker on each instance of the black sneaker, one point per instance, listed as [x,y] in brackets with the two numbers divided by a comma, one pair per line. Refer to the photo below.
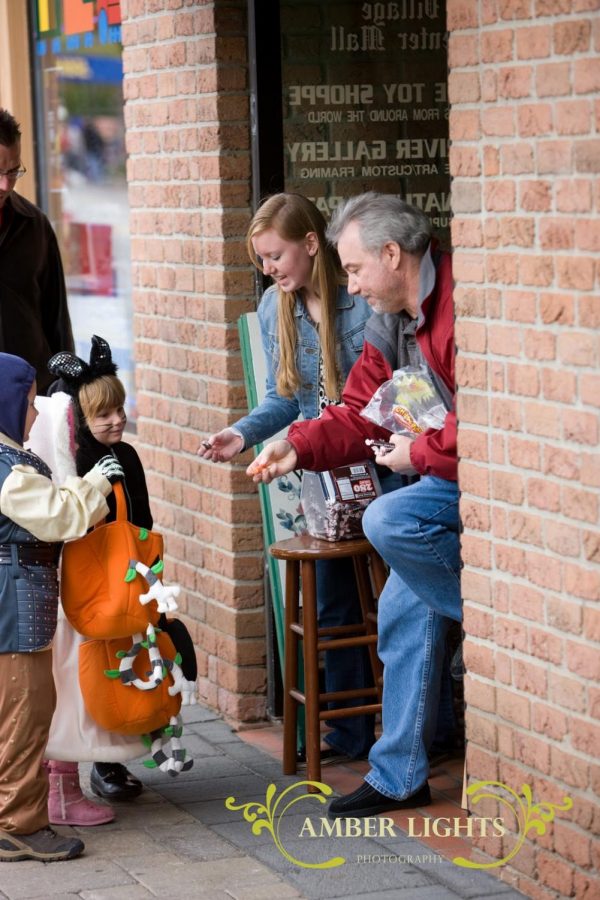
[367,801]
[45,845]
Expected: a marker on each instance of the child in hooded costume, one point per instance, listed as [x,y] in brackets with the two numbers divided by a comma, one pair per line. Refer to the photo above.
[36,516]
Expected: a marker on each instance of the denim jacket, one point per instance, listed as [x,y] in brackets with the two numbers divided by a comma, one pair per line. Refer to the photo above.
[275,411]
[28,591]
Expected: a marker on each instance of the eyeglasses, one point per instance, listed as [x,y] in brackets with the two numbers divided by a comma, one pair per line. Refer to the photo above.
[13,174]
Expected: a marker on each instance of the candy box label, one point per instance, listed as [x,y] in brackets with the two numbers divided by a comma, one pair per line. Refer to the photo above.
[357,482]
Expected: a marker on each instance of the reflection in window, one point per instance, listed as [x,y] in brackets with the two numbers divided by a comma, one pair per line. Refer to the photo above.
[80,74]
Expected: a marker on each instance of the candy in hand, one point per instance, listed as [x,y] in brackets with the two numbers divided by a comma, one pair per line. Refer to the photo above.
[379,446]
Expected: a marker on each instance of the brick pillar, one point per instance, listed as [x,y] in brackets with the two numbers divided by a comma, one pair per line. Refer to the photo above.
[187,119]
[524,87]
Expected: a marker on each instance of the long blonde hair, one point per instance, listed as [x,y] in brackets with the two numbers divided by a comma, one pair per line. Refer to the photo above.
[293,216]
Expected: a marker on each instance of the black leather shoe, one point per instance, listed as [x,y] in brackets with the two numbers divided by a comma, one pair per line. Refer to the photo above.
[115,783]
[366,801]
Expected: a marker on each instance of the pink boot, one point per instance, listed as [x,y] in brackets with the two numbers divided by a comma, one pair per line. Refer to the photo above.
[67,804]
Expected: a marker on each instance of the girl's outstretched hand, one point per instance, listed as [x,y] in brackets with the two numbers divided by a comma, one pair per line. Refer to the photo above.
[222,446]
[276,459]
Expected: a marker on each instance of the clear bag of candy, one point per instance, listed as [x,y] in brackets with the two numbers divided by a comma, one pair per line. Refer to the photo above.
[409,403]
[334,502]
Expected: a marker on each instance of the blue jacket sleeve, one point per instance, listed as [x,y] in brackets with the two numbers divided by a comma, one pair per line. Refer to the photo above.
[274,412]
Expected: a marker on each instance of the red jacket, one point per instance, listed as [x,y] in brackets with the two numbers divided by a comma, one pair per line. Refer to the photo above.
[338,436]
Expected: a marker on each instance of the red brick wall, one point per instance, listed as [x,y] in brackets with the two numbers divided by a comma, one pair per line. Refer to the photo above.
[524,86]
[187,118]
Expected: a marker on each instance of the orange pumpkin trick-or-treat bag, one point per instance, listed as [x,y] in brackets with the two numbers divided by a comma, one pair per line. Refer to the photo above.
[106,576]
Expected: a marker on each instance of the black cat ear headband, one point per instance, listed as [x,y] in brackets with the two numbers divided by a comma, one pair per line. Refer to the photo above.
[75,372]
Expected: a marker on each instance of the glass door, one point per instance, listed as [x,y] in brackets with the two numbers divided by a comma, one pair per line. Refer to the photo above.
[81,133]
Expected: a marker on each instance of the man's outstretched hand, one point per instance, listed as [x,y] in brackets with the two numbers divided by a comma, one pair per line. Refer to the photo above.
[276,459]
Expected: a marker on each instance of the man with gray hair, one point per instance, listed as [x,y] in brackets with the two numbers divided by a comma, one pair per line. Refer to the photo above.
[385,247]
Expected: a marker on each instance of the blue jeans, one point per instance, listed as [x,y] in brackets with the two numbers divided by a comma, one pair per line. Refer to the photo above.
[415,530]
[338,604]
[445,729]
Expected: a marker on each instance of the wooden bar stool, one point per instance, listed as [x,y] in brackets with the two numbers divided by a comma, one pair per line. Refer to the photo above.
[300,554]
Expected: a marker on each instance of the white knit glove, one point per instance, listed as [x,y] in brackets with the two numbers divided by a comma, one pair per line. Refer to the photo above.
[111,468]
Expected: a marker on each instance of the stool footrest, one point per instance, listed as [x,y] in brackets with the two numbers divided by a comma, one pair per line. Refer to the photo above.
[339,643]
[365,710]
[360,638]
[352,694]
[333,631]
[341,630]
[298,696]
[335,696]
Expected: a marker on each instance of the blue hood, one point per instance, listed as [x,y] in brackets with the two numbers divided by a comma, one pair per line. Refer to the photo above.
[16,378]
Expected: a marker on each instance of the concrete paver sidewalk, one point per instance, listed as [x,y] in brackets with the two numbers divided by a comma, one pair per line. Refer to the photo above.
[178,841]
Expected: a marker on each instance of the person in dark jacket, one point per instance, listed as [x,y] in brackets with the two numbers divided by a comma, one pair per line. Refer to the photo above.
[385,247]
[34,317]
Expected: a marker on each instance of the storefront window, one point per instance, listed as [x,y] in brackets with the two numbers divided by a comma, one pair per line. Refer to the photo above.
[79,77]
[365,102]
